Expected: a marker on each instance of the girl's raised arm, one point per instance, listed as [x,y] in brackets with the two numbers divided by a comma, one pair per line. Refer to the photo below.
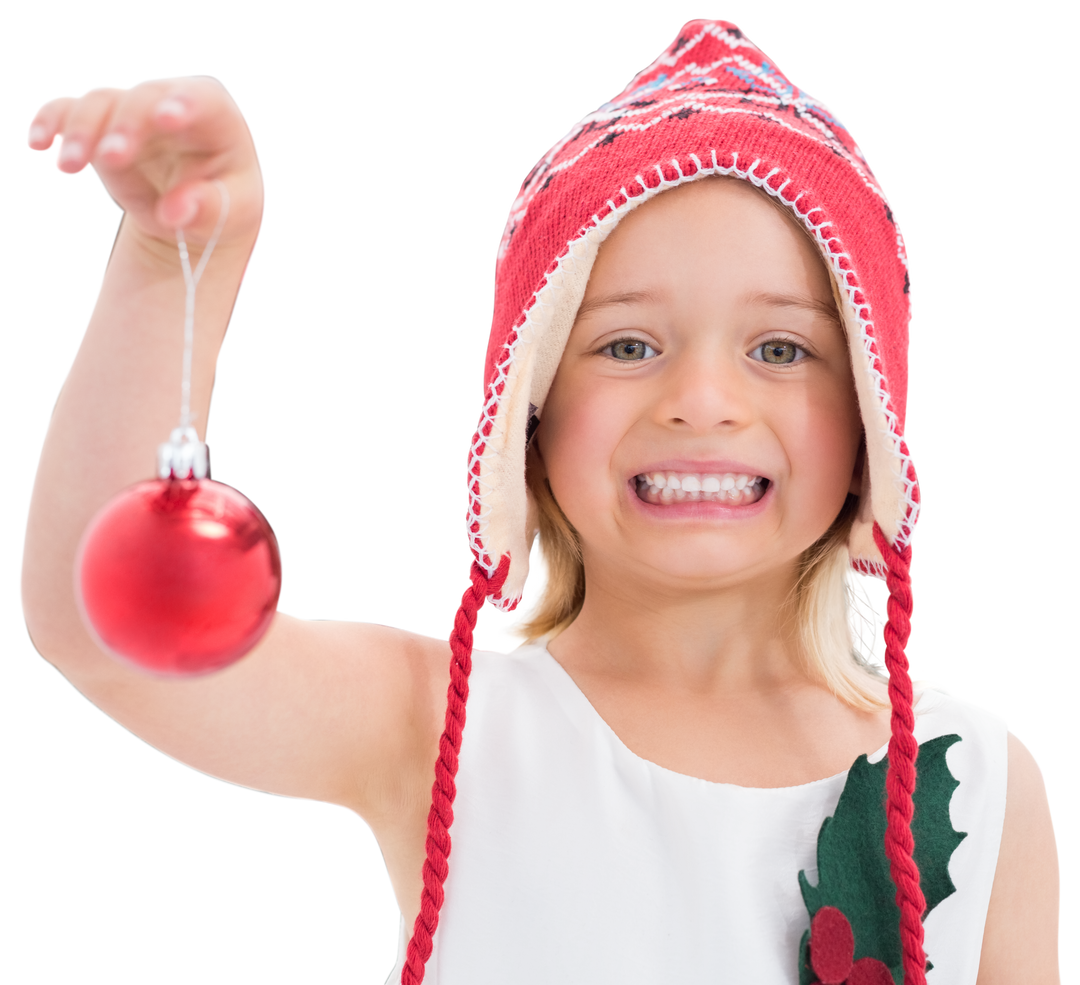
[338,712]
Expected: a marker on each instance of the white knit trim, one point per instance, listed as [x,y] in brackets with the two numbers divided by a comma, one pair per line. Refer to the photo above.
[661,110]
[498,507]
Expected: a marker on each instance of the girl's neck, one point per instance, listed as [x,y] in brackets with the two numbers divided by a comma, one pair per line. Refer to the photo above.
[711,683]
[739,637]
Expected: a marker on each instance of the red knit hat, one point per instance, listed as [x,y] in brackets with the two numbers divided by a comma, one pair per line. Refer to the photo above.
[712,104]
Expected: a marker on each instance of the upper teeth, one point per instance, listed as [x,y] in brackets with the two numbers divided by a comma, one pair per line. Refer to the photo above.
[691,482]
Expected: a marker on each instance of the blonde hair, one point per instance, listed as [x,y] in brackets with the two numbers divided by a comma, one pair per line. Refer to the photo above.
[819,603]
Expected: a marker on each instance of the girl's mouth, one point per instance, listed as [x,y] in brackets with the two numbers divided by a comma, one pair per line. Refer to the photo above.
[727,488]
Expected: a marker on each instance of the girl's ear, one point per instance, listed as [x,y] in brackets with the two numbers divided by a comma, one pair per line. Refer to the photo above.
[532,519]
[534,472]
[534,456]
[860,478]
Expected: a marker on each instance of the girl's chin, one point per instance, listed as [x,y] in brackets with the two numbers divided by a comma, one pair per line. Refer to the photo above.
[686,568]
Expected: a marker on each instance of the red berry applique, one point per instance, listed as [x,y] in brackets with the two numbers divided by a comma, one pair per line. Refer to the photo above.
[832,953]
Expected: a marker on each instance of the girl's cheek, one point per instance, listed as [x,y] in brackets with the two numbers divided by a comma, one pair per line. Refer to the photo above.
[578,440]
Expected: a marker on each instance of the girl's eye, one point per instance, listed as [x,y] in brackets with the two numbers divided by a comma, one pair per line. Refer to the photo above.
[779,352]
[629,350]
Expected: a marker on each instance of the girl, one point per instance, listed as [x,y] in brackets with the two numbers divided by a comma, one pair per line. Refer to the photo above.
[695,393]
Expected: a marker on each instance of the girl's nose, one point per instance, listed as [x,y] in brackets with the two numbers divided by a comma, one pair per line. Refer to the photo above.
[704,392]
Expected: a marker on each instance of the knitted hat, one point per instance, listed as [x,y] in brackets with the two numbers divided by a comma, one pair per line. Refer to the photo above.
[711,104]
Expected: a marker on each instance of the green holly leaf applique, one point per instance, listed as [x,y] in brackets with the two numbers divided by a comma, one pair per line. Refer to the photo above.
[853,870]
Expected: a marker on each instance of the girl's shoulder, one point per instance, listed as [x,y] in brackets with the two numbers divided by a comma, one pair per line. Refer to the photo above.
[932,695]
[937,712]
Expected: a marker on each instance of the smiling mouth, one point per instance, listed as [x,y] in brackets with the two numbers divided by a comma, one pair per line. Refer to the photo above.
[727,488]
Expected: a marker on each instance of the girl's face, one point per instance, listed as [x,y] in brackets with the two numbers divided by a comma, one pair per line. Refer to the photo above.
[703,424]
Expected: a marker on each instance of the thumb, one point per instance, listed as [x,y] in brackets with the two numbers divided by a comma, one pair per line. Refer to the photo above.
[194,207]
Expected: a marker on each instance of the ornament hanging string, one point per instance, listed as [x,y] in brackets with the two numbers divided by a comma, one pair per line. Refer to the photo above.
[191,281]
[184,455]
[180,575]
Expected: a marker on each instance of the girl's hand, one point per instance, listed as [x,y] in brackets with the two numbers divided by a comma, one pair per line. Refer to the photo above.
[158,148]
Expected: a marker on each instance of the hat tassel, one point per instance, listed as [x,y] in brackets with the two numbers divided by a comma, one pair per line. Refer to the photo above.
[900,781]
[444,789]
[903,753]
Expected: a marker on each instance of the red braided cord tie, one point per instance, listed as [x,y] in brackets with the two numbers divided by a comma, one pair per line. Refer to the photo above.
[444,789]
[903,753]
[900,783]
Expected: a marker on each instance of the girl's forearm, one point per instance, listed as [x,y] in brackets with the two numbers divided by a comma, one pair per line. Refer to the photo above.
[120,400]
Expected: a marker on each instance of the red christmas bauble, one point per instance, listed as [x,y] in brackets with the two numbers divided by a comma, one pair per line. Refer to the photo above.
[178,576]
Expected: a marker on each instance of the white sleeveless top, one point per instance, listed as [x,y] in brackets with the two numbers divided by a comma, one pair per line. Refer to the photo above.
[576,861]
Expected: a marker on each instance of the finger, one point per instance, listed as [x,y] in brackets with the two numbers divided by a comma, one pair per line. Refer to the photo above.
[129,125]
[82,128]
[48,121]
[168,113]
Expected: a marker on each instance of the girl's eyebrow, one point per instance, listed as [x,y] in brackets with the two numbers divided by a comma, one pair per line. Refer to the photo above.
[609,300]
[801,301]
[767,298]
